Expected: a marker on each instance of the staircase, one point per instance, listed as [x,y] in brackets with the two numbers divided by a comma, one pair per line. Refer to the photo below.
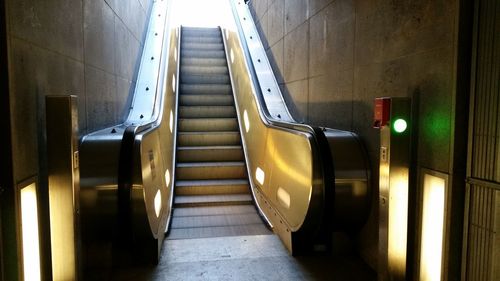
[212,194]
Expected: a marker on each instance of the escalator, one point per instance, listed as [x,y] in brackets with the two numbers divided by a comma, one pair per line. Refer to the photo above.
[212,192]
[209,149]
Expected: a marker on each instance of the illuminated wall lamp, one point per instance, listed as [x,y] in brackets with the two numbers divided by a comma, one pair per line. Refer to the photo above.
[432,222]
[29,230]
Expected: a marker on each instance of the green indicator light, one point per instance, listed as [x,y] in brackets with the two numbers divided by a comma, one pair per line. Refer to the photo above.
[400,125]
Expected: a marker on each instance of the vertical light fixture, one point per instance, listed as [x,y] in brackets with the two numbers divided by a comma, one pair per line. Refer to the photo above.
[29,230]
[431,243]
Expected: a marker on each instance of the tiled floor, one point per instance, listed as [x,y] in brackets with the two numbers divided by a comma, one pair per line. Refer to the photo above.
[261,257]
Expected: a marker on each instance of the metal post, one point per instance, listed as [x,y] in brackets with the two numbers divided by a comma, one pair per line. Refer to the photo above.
[64,177]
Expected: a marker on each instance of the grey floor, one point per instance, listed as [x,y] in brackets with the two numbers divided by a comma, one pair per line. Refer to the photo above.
[258,257]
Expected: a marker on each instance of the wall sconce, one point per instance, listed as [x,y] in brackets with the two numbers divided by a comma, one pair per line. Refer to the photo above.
[29,230]
[432,224]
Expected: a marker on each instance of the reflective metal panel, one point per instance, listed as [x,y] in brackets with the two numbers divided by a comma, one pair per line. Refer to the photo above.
[127,170]
[64,180]
[295,185]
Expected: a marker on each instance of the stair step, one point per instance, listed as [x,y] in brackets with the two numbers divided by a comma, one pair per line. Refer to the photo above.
[200,39]
[209,153]
[210,170]
[214,210]
[204,187]
[206,89]
[203,70]
[218,231]
[208,138]
[212,200]
[206,100]
[207,111]
[217,220]
[205,78]
[203,62]
[201,33]
[207,124]
[202,46]
[202,54]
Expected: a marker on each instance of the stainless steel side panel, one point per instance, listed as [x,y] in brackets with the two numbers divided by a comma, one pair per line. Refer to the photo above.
[112,224]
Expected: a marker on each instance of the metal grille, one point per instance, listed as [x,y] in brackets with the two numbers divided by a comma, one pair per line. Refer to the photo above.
[483,240]
[486,125]
[482,234]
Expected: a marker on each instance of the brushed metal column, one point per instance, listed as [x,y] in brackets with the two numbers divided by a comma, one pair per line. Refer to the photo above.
[64,177]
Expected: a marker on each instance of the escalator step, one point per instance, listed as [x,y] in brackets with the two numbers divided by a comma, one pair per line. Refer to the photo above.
[204,70]
[202,46]
[212,200]
[199,39]
[210,170]
[208,138]
[220,231]
[215,221]
[207,124]
[213,210]
[204,187]
[202,54]
[209,32]
[205,78]
[209,153]
[206,100]
[203,62]
[224,111]
[206,89]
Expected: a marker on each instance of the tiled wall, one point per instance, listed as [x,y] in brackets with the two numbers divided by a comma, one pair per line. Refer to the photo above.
[334,57]
[88,48]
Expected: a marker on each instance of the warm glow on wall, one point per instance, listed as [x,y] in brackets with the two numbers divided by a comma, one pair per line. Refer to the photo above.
[398,223]
[431,250]
[29,220]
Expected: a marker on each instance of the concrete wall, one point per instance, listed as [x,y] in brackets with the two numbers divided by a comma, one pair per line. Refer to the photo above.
[87,48]
[334,57]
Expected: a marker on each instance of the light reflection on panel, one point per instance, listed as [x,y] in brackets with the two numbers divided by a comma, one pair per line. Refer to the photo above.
[398,222]
[167,178]
[157,202]
[247,122]
[260,175]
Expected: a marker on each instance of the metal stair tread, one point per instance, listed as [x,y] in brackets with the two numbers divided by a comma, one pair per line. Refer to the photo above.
[215,220]
[182,183]
[204,69]
[219,231]
[210,164]
[206,99]
[209,132]
[213,147]
[213,210]
[212,199]
[205,89]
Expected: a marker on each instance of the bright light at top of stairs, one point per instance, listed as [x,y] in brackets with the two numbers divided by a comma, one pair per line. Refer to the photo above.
[201,13]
